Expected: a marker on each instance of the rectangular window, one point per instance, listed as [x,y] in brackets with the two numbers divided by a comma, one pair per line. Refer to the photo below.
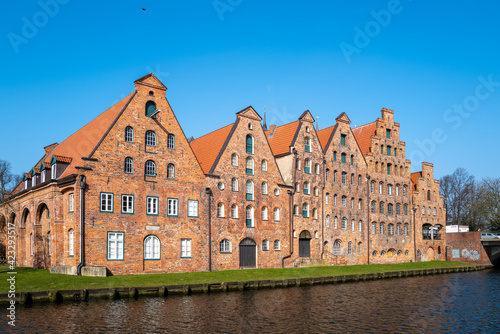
[53,171]
[334,156]
[115,245]
[185,247]
[192,208]
[352,159]
[388,150]
[388,133]
[127,204]
[71,202]
[106,202]
[152,205]
[343,158]
[71,243]
[342,139]
[388,170]
[172,207]
[42,176]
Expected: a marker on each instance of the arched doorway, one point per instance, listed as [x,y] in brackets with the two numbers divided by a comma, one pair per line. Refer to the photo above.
[430,254]
[248,253]
[305,244]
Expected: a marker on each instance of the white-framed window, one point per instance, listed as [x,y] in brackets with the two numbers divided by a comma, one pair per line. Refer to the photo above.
[152,205]
[249,166]
[150,168]
[344,223]
[264,188]
[220,210]
[53,171]
[353,225]
[127,203]
[171,141]
[249,144]
[265,245]
[264,165]
[172,207]
[297,187]
[276,214]
[106,202]
[249,216]
[296,210]
[185,247]
[234,211]
[360,226]
[249,190]
[234,184]
[129,165]
[316,169]
[170,171]
[264,213]
[306,188]
[71,243]
[349,248]
[225,246]
[234,160]
[344,201]
[192,208]
[277,245]
[71,200]
[42,176]
[307,166]
[337,247]
[129,134]
[115,245]
[305,210]
[151,248]
[336,222]
[389,189]
[25,184]
[327,198]
[316,191]
[380,188]
[307,144]
[297,164]
[327,221]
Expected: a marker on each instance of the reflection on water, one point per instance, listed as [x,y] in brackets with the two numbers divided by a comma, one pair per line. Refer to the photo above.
[464,302]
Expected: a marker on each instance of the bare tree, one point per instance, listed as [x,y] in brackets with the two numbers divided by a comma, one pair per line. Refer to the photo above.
[458,189]
[5,178]
[490,202]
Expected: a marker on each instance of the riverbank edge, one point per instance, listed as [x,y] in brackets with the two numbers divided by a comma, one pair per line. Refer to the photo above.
[59,296]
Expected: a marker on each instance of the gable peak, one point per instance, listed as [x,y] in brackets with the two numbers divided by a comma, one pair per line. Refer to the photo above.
[342,118]
[249,112]
[306,117]
[150,80]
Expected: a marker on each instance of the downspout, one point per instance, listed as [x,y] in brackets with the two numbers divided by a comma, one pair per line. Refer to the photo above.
[208,191]
[414,235]
[368,223]
[291,193]
[83,185]
[323,211]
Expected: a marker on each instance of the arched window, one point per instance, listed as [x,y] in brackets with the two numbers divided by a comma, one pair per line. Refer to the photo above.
[344,223]
[349,248]
[389,209]
[297,187]
[406,229]
[380,188]
[71,243]
[344,201]
[249,190]
[327,221]
[296,210]
[434,211]
[335,222]
[249,216]
[337,247]
[171,141]
[352,159]
[171,171]
[374,228]
[352,178]
[249,169]
[305,210]
[276,214]
[390,229]
[353,225]
[307,144]
[398,229]
[264,188]
[225,246]
[150,108]
[264,213]
[382,228]
[277,246]
[428,194]
[234,211]
[374,253]
[307,166]
[397,190]
[404,190]
[234,184]
[327,198]
[220,210]
[306,188]
[389,189]
[327,174]
[315,213]
[334,176]
[150,138]
[405,209]
[382,253]
[360,204]
[316,169]
[150,168]
[344,177]
[129,165]
[335,200]
[359,247]
[316,191]
[151,248]
[297,164]
[234,160]
[249,144]
[381,207]
[373,206]
[129,134]
[264,165]
[265,245]
[423,210]
[372,187]
[343,157]
[352,203]
[398,209]
[429,211]
[359,180]
[360,226]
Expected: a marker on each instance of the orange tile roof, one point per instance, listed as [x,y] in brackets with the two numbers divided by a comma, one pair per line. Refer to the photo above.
[363,136]
[206,148]
[414,179]
[282,139]
[324,135]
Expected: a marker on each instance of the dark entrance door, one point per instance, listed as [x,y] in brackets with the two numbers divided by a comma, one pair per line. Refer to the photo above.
[248,253]
[305,244]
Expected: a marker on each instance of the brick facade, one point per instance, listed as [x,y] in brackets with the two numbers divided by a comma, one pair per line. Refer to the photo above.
[149,201]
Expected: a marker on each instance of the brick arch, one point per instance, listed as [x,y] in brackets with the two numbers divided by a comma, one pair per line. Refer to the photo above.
[430,254]
[25,216]
[39,211]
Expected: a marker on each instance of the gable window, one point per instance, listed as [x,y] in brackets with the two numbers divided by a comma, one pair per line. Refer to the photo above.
[150,168]
[335,222]
[129,165]
[106,202]
[307,166]
[249,190]
[127,204]
[344,223]
[185,247]
[150,108]
[335,156]
[171,141]
[342,139]
[305,210]
[264,165]
[264,213]
[71,202]
[192,208]
[151,248]
[388,134]
[374,228]
[381,207]
[234,184]
[306,188]
[276,214]
[42,176]
[151,205]
[220,210]
[71,243]
[316,169]
[249,216]
[115,245]
[344,177]
[389,150]
[264,188]
[170,171]
[249,169]
[225,246]
[172,207]
[249,144]
[343,157]
[352,160]
[129,134]
[234,160]
[150,138]
[390,229]
[307,144]
[234,211]
[344,201]
[382,227]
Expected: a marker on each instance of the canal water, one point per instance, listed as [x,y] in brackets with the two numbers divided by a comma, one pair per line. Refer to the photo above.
[451,303]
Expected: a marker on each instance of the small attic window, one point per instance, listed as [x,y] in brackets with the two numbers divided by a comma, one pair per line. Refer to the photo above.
[151,93]
[307,129]
[250,127]
[150,108]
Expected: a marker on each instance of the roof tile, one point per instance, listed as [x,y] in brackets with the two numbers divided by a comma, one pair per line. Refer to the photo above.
[207,147]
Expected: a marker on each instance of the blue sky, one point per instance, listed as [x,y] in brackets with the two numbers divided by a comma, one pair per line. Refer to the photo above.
[435,64]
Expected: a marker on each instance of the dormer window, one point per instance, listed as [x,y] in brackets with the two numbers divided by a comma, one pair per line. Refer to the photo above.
[25,184]
[42,177]
[53,171]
